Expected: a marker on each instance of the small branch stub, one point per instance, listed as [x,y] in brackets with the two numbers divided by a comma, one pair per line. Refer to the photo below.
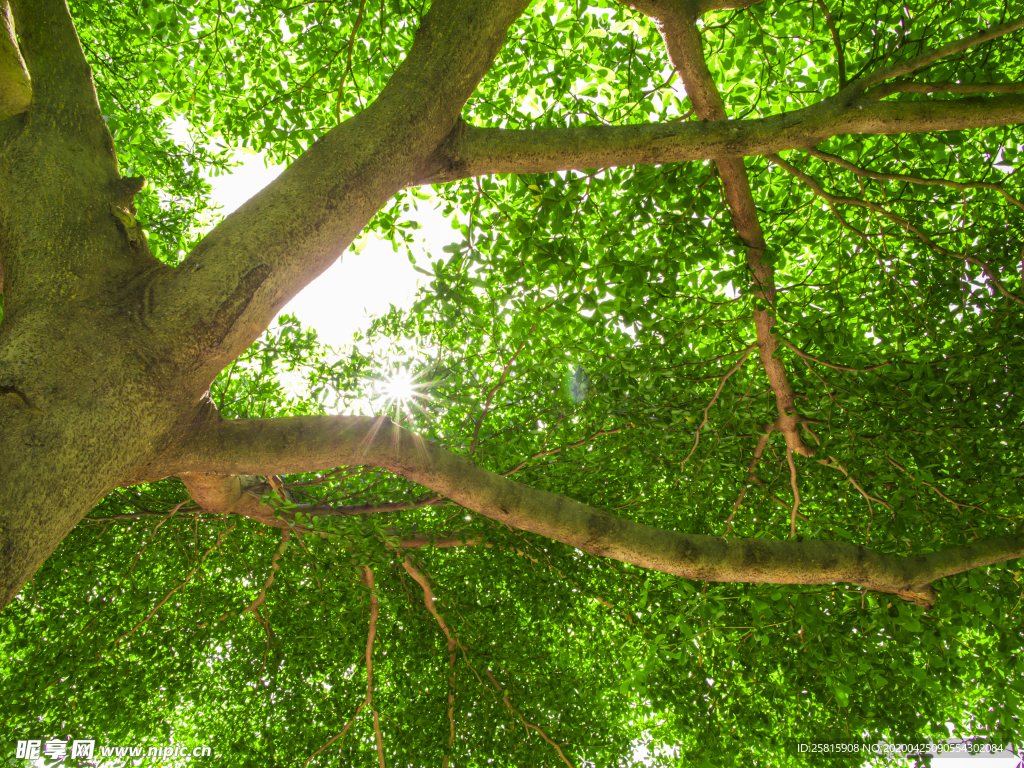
[129,224]
[132,185]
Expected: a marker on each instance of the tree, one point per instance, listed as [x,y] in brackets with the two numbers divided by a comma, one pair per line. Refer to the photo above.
[725,376]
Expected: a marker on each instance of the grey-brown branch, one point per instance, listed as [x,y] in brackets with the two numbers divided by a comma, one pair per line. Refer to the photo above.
[316,443]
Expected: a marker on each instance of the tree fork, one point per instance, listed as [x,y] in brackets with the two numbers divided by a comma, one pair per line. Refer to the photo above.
[106,353]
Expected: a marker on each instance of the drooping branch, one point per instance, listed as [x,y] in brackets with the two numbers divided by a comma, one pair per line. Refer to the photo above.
[762,443]
[316,443]
[526,723]
[367,701]
[453,642]
[796,493]
[834,200]
[261,599]
[703,422]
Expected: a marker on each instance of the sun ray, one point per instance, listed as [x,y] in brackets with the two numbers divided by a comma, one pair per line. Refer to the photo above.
[401,392]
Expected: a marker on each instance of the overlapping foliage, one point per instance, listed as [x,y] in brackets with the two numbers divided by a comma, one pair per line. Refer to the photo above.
[584,339]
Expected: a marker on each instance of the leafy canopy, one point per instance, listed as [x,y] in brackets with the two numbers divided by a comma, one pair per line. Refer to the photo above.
[584,339]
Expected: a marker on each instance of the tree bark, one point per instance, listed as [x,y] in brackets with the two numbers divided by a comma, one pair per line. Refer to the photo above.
[480,151]
[316,443]
[15,89]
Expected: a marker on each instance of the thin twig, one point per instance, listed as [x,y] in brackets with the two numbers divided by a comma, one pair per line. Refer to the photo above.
[938,492]
[840,58]
[718,391]
[526,723]
[831,463]
[961,186]
[370,635]
[537,455]
[834,200]
[833,366]
[494,389]
[348,62]
[188,578]
[796,493]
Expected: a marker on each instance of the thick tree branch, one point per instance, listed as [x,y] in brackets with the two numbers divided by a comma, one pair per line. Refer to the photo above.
[471,151]
[226,494]
[15,88]
[474,151]
[696,8]
[682,39]
[704,6]
[901,86]
[61,77]
[237,278]
[317,443]
[59,179]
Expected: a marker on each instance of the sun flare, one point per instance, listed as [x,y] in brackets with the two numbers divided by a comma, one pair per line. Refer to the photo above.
[401,387]
[400,392]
